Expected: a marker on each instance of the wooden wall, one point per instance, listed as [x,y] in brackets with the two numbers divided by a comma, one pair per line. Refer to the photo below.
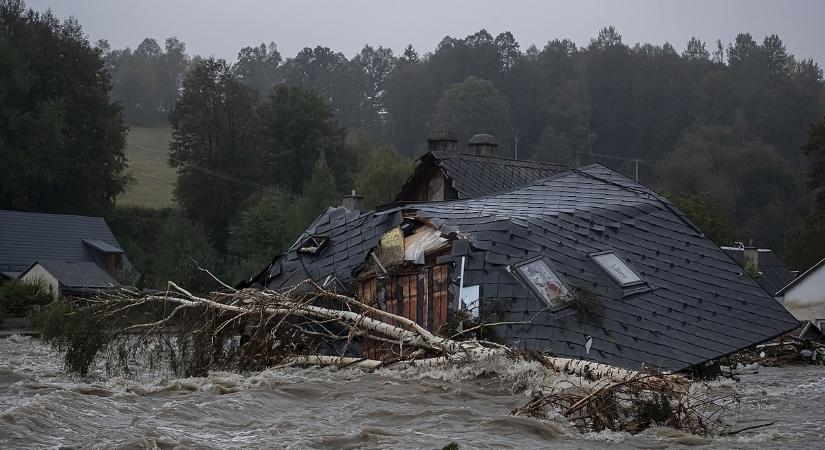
[421,296]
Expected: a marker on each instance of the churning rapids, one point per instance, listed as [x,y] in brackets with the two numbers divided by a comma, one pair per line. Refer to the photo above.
[42,407]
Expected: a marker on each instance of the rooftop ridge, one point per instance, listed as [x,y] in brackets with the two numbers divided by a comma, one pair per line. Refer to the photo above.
[500,158]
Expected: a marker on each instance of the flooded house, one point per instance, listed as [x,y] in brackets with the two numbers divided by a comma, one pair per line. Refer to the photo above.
[577,262]
[73,255]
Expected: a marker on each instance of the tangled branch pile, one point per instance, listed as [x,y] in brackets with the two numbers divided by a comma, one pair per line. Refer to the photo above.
[634,404]
[254,329]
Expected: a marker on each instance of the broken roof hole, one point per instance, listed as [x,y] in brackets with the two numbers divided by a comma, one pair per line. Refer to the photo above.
[314,244]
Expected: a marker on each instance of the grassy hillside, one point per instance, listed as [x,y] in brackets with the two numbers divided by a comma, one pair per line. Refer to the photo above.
[147,150]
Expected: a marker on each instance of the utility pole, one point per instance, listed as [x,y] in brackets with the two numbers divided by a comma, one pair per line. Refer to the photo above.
[516,139]
[637,170]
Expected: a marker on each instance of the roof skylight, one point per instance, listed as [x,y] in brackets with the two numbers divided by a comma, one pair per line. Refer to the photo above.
[618,269]
[545,282]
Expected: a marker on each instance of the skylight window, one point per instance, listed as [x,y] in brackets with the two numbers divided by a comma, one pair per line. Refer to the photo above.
[544,282]
[618,269]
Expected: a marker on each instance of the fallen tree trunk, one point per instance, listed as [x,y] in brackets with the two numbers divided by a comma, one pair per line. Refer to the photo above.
[300,309]
[307,326]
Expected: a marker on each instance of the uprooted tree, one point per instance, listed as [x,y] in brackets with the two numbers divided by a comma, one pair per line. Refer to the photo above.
[307,325]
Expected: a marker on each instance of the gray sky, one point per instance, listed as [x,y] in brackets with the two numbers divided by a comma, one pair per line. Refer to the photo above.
[221,27]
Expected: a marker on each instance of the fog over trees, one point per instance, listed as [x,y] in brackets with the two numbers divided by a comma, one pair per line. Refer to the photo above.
[724,128]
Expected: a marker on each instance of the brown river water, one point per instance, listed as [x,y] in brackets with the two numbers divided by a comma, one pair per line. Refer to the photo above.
[42,407]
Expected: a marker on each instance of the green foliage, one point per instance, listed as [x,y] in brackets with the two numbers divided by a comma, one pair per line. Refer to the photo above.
[16,297]
[214,146]
[319,192]
[588,307]
[146,80]
[744,176]
[62,138]
[257,67]
[263,228]
[472,107]
[77,336]
[181,246]
[707,213]
[297,127]
[381,179]
[815,149]
[348,86]
[136,229]
[805,242]
[752,269]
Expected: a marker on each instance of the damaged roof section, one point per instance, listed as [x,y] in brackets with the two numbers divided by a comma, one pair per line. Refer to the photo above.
[586,264]
[467,175]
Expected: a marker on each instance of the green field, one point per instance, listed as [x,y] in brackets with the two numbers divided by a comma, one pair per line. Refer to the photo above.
[147,150]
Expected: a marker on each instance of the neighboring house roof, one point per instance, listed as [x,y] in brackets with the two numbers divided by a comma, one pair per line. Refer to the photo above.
[27,237]
[773,275]
[476,175]
[695,305]
[101,246]
[76,275]
[801,277]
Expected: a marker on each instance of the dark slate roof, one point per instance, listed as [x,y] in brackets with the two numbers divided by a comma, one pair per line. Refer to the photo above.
[476,175]
[28,237]
[773,275]
[697,304]
[79,274]
[101,246]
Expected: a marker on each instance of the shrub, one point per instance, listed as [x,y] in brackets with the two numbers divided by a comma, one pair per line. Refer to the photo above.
[16,295]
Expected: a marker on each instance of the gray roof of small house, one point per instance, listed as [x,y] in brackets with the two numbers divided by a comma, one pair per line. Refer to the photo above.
[697,306]
[773,275]
[78,274]
[102,246]
[27,237]
[477,175]
[801,277]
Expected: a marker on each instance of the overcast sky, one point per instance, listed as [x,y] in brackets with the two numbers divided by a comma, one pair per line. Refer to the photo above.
[221,27]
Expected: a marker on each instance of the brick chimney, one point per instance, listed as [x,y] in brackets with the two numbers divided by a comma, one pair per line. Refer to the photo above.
[483,144]
[353,202]
[442,141]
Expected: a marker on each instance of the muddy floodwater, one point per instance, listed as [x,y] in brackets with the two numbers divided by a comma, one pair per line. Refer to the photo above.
[42,407]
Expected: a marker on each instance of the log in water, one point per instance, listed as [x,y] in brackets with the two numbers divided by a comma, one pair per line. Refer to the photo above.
[41,407]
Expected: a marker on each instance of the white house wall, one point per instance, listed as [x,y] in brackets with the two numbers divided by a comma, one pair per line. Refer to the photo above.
[806,299]
[39,273]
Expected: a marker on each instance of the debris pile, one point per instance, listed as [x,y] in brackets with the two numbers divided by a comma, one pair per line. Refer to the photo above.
[634,404]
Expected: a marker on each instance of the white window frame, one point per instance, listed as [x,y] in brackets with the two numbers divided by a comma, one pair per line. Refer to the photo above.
[639,281]
[565,296]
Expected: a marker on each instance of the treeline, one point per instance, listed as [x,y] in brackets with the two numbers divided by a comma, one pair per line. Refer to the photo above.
[715,123]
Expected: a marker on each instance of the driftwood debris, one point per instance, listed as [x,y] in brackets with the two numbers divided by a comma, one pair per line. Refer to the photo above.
[307,325]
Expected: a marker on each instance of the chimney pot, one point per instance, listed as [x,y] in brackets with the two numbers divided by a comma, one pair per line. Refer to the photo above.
[483,144]
[353,202]
[442,141]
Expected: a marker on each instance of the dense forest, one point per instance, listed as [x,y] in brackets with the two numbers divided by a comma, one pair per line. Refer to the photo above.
[733,133]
